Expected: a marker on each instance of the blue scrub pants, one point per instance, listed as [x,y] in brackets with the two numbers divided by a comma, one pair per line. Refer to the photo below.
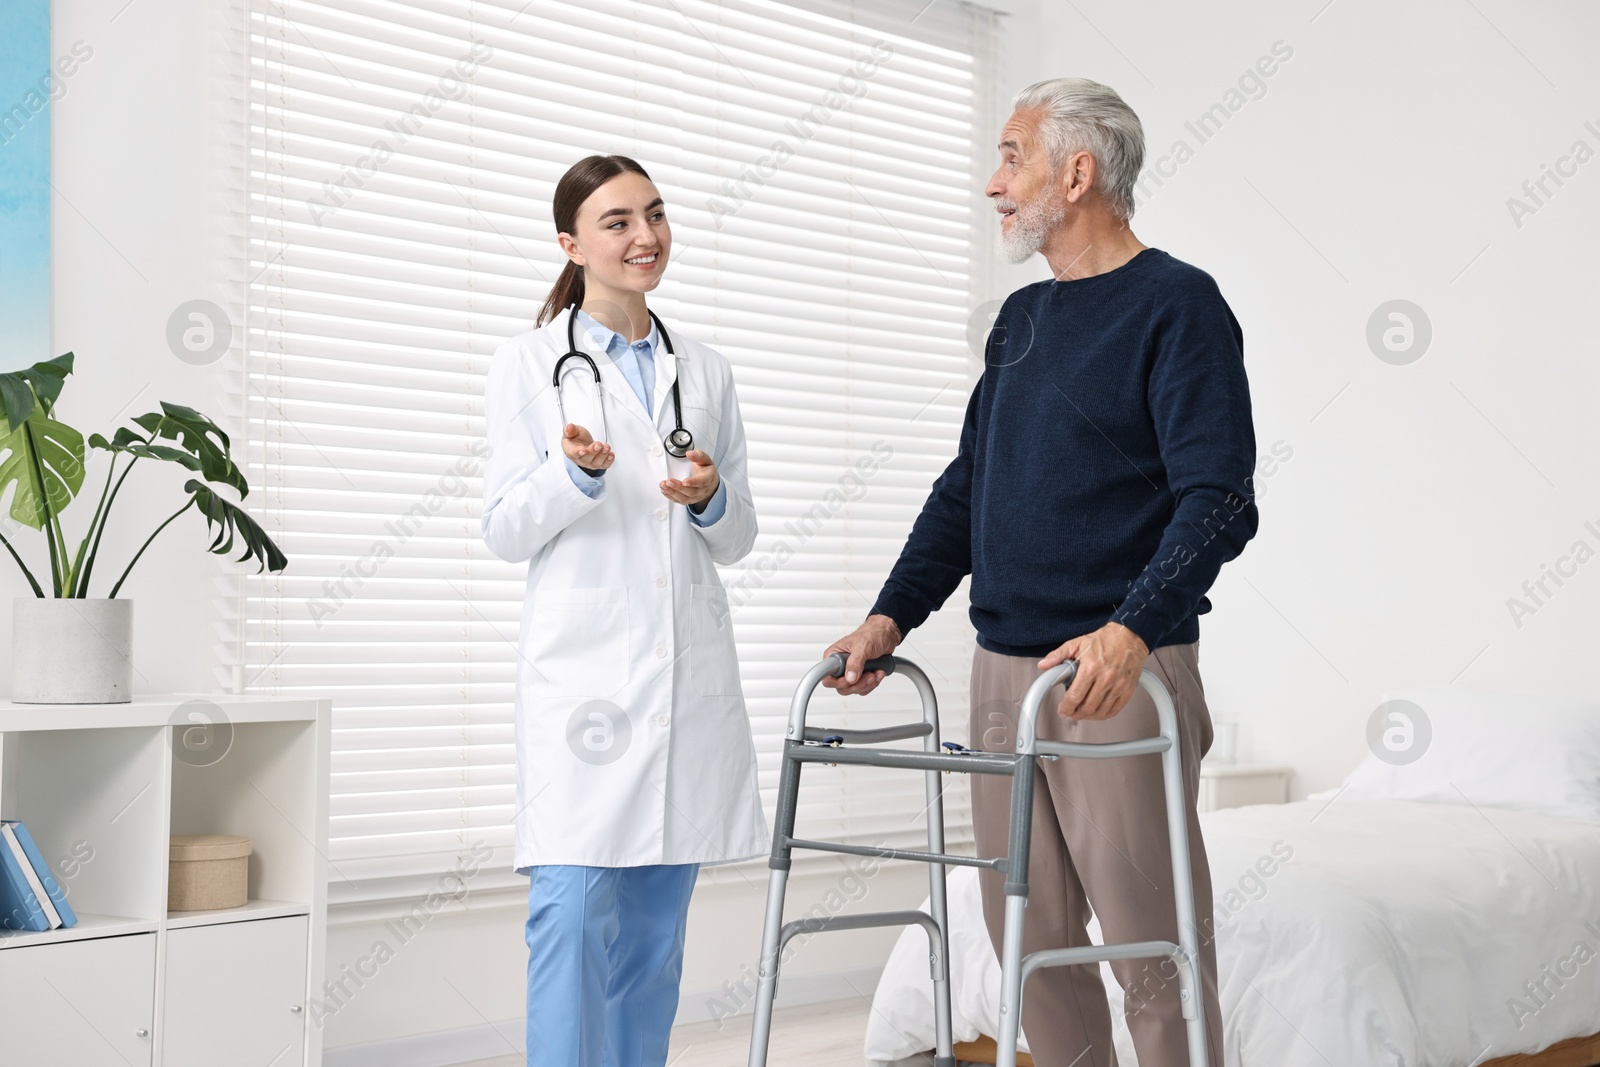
[605,953]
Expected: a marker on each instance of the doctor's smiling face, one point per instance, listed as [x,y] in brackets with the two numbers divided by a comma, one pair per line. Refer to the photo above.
[621,238]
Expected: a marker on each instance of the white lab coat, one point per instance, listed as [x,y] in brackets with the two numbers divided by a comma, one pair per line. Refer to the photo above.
[633,745]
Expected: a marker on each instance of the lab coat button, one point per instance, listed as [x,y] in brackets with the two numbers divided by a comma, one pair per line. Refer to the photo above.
[662,720]
[660,513]
[661,580]
[656,451]
[661,652]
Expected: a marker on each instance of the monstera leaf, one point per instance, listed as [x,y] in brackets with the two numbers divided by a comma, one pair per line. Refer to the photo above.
[203,445]
[228,516]
[44,457]
[42,382]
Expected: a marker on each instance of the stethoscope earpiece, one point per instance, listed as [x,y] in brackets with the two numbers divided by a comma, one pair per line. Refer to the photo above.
[679,442]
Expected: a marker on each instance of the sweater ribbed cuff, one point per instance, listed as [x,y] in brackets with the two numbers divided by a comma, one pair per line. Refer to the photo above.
[906,613]
[1143,623]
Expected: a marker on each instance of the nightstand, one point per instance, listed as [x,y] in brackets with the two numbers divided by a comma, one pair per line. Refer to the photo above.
[1233,785]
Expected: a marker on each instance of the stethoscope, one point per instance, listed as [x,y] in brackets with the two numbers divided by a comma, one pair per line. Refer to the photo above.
[678,442]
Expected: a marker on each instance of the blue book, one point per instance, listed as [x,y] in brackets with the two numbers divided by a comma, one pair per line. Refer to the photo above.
[19,908]
[58,896]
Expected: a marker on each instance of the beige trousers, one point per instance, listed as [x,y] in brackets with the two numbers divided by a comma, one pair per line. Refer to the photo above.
[1100,840]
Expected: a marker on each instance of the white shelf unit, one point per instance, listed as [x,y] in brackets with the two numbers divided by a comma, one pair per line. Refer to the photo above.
[102,788]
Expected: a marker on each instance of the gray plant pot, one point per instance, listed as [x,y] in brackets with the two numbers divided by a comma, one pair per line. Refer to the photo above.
[70,651]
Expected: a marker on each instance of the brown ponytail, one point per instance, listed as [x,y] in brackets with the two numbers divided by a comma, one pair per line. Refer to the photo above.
[576,185]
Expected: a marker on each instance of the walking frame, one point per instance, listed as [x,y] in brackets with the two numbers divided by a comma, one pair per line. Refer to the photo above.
[812,744]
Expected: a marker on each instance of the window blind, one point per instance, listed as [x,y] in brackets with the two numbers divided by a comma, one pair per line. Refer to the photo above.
[818,170]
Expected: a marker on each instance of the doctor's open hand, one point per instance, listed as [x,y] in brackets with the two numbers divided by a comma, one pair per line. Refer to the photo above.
[584,450]
[699,487]
[878,636]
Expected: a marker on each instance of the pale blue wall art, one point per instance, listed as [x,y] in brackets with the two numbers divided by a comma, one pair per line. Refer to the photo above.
[26,85]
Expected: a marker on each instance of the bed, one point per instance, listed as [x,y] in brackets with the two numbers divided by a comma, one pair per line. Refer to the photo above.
[1445,913]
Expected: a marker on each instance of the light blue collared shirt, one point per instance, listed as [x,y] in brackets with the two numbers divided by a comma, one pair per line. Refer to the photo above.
[637,361]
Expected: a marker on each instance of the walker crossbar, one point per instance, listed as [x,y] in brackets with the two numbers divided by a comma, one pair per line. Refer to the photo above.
[801,746]
[869,737]
[974,763]
[998,863]
[1131,950]
[1106,749]
[819,923]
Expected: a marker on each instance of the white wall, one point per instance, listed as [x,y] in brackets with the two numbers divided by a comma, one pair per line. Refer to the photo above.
[134,166]
[1376,166]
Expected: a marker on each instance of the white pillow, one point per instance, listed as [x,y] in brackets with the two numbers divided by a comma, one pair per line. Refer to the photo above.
[1536,752]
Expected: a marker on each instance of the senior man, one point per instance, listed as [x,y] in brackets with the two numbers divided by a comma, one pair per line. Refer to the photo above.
[1103,478]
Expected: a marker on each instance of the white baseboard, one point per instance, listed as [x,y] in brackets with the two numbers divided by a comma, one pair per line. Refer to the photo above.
[438,1049]
[444,1048]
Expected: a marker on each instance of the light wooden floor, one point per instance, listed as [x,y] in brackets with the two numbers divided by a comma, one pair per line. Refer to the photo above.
[822,1035]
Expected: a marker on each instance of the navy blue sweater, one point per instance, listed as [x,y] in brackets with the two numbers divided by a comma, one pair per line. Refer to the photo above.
[1104,471]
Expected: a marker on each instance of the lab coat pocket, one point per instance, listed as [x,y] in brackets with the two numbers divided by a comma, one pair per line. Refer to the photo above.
[705,425]
[579,641]
[713,664]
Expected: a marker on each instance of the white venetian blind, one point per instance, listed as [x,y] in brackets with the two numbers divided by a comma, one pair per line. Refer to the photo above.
[402,156]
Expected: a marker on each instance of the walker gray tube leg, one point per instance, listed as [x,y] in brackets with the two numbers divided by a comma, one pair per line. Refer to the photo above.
[1016,901]
[1190,991]
[772,930]
[767,988]
[1011,982]
[939,966]
[943,1029]
[939,962]
[1017,860]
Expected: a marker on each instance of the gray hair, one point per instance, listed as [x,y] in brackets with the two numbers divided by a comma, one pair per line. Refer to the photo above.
[1084,116]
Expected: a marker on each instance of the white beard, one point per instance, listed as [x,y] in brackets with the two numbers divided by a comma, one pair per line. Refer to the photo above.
[1031,224]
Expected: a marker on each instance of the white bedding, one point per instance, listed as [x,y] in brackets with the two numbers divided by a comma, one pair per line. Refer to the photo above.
[1395,934]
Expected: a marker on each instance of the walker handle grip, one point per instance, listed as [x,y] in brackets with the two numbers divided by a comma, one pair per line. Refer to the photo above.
[882,663]
[833,667]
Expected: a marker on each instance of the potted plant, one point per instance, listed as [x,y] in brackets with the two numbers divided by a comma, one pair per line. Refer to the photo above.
[69,647]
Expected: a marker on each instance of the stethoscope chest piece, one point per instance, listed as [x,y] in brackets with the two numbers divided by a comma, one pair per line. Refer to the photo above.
[679,442]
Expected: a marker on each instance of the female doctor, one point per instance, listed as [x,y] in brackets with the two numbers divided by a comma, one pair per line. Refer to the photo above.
[618,473]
